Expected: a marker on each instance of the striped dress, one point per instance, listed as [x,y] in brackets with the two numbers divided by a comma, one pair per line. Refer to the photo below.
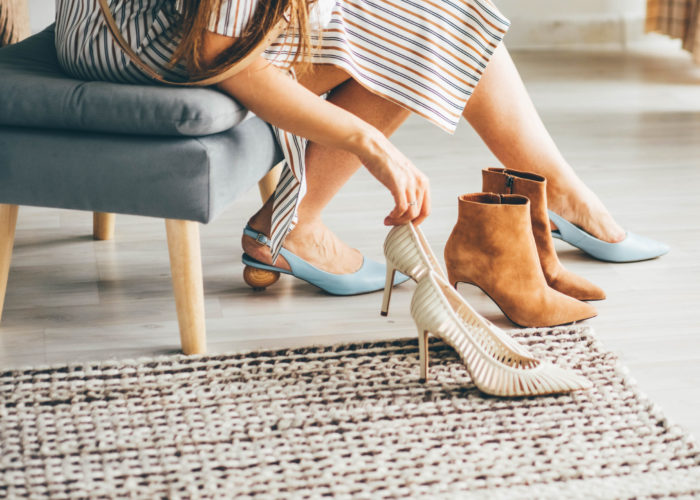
[425,55]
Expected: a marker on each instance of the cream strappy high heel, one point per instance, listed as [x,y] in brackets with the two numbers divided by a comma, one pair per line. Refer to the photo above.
[495,367]
[407,251]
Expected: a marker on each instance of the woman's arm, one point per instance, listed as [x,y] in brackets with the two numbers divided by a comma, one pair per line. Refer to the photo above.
[283,102]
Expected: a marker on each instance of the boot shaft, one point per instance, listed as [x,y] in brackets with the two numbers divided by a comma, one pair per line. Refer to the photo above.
[484,210]
[534,187]
[491,234]
[507,181]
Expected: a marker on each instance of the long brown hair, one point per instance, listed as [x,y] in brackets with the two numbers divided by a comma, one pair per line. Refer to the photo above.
[196,16]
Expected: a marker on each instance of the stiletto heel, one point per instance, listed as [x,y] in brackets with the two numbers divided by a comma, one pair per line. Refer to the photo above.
[259,279]
[423,353]
[390,271]
[497,364]
[407,250]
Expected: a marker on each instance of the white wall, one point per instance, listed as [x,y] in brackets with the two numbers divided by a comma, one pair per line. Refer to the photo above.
[41,13]
[547,23]
[536,23]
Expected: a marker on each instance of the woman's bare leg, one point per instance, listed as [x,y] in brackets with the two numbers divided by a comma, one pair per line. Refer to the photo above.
[327,170]
[501,112]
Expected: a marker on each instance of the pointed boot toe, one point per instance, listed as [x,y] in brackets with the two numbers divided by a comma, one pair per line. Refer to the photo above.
[550,308]
[575,286]
[566,310]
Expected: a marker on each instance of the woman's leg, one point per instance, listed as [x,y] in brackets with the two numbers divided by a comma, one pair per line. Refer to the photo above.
[501,112]
[327,170]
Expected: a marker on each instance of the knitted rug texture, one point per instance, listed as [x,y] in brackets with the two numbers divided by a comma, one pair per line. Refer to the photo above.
[349,421]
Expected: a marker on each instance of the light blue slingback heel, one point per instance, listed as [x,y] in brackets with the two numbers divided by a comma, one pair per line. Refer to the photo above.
[632,249]
[369,278]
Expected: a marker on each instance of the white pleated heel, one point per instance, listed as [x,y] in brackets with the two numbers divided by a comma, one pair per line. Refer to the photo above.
[407,250]
[497,364]
[390,271]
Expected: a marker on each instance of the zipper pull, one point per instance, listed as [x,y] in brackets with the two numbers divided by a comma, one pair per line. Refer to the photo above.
[509,183]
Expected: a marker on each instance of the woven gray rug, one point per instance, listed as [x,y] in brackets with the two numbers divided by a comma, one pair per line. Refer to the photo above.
[349,421]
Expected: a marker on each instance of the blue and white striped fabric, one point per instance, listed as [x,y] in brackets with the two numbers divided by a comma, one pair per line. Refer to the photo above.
[426,55]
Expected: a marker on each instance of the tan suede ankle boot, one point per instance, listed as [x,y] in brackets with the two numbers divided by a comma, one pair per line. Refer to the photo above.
[534,187]
[492,247]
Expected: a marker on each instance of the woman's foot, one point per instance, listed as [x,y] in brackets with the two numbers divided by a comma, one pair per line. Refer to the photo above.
[312,242]
[580,206]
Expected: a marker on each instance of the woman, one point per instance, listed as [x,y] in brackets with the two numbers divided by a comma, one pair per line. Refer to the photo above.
[375,61]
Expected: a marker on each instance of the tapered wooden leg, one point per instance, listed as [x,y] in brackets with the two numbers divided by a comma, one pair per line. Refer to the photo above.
[8,222]
[268,183]
[186,270]
[103,226]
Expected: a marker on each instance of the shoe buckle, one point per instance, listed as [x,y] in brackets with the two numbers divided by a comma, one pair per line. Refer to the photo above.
[261,239]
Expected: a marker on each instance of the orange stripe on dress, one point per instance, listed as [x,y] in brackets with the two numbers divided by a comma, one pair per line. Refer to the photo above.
[235,17]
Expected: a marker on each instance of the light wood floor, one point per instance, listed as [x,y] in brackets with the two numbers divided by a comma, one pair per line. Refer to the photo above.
[629,123]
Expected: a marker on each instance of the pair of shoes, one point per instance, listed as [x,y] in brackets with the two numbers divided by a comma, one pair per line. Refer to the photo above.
[632,249]
[534,188]
[497,363]
[492,246]
[369,278]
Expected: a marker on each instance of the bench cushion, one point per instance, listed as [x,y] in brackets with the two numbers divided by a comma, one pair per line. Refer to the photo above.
[34,92]
[192,178]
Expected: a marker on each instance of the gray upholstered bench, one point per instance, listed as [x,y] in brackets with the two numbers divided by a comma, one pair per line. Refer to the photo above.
[178,154]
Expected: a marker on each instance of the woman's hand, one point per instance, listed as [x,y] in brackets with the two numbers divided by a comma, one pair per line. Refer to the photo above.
[408,185]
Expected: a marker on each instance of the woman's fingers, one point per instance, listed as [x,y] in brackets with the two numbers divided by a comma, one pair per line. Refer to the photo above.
[417,205]
[400,205]
[402,198]
[425,206]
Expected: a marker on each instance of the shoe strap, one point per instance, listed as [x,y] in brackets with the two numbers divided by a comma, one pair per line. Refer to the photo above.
[258,237]
[567,230]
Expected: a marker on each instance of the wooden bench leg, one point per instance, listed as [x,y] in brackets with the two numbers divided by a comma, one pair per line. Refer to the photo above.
[8,223]
[268,183]
[103,226]
[186,270]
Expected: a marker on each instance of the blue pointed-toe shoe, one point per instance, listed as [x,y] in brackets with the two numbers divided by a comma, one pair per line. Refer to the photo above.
[632,249]
[369,278]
